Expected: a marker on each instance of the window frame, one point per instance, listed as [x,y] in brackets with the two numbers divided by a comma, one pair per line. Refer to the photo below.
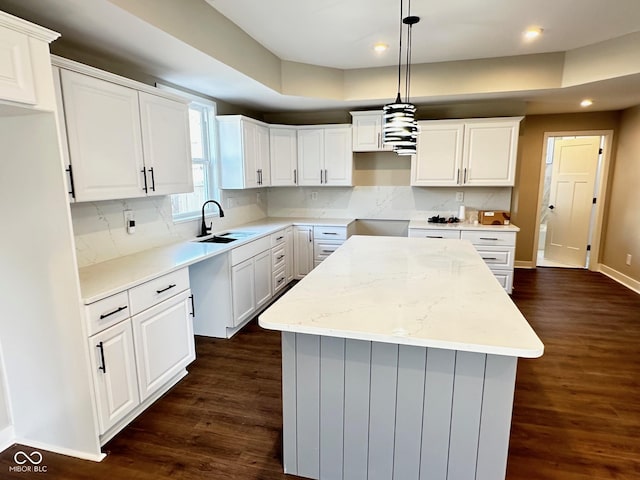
[210,147]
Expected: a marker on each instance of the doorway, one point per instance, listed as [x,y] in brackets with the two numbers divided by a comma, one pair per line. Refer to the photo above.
[569,214]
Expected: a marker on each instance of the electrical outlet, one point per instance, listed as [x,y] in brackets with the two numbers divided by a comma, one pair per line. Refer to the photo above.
[459,196]
[258,197]
[231,202]
[628,262]
[129,221]
[314,195]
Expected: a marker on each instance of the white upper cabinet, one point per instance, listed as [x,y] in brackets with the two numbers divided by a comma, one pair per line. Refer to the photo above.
[325,157]
[24,64]
[473,152]
[367,131]
[105,142]
[123,140]
[166,145]
[244,152]
[283,153]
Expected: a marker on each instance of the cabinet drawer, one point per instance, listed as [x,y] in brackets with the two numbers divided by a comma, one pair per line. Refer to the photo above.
[323,248]
[248,250]
[159,289]
[434,233]
[497,256]
[505,278]
[278,257]
[277,238]
[106,312]
[487,237]
[330,233]
[279,280]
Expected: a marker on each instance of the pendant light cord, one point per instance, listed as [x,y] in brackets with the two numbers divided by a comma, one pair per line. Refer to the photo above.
[400,52]
[408,68]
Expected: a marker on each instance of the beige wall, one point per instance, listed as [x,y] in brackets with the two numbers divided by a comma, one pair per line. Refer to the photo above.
[623,233]
[525,193]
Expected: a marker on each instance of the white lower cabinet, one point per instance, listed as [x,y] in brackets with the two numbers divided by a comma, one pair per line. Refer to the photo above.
[140,357]
[243,290]
[302,250]
[115,381]
[164,345]
[262,276]
[250,279]
[497,248]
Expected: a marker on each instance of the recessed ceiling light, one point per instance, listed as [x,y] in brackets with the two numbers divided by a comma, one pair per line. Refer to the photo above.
[532,32]
[586,102]
[381,47]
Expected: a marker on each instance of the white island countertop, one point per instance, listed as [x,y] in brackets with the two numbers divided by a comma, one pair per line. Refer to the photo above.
[437,293]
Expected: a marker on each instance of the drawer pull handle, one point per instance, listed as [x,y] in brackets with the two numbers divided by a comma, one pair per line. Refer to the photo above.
[117,310]
[328,251]
[489,258]
[279,238]
[193,306]
[281,280]
[279,257]
[489,238]
[329,233]
[103,366]
[165,289]
[435,236]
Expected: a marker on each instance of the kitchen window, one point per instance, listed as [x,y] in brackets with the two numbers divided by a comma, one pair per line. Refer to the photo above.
[186,206]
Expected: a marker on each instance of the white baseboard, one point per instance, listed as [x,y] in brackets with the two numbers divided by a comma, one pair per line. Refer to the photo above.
[61,450]
[524,264]
[7,437]
[621,278]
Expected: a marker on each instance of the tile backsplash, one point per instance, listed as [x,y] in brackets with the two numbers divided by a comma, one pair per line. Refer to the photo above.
[100,232]
[382,202]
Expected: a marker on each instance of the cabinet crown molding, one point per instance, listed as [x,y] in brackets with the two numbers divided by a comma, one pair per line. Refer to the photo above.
[27,28]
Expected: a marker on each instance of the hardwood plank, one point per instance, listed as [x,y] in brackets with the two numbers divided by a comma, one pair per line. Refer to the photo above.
[576,414]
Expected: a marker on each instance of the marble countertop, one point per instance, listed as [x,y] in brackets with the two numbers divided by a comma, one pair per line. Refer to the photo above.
[463,226]
[113,276]
[406,291]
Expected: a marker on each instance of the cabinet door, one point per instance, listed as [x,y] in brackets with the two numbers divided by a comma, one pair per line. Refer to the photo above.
[164,343]
[283,155]
[263,164]
[302,250]
[113,364]
[439,154]
[338,156]
[310,156]
[16,73]
[250,154]
[166,145]
[288,251]
[105,142]
[490,150]
[367,132]
[243,291]
[262,277]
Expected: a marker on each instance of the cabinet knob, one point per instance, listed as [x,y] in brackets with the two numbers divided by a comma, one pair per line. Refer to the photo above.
[551,207]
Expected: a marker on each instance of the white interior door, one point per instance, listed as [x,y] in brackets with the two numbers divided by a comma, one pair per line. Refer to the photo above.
[575,163]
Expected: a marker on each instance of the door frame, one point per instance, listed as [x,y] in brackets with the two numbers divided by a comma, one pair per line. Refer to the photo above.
[601,195]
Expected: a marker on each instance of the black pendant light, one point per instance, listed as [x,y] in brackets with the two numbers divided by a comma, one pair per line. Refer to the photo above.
[400,129]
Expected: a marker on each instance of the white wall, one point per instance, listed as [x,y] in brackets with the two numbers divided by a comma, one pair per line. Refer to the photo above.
[382,202]
[100,232]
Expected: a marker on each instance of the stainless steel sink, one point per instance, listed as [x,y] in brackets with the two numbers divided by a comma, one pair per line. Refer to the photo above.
[218,239]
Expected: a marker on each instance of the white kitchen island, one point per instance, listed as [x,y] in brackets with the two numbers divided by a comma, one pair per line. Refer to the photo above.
[398,362]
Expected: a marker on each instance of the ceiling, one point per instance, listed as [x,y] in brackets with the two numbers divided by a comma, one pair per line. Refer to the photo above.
[247,58]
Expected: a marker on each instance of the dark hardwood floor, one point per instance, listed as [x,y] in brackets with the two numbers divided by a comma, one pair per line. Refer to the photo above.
[576,413]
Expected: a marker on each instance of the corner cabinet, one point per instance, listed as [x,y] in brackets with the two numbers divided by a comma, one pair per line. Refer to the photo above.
[471,152]
[367,131]
[123,139]
[325,157]
[244,152]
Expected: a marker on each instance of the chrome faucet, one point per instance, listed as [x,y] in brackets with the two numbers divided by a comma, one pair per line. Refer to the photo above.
[204,231]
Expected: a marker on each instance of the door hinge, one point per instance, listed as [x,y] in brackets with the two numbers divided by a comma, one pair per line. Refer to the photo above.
[588,248]
[600,152]
[594,200]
